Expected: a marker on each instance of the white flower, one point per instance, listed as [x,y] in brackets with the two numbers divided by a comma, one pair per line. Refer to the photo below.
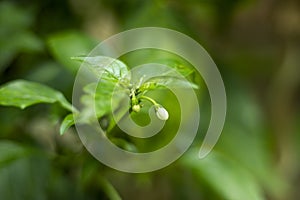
[162,113]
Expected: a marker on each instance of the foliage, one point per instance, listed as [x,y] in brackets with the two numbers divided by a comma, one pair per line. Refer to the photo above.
[256,156]
[22,94]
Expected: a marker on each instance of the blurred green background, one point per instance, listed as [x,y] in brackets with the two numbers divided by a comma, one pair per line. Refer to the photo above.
[255,44]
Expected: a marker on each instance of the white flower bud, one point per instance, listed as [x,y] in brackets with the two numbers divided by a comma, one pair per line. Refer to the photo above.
[136,108]
[162,113]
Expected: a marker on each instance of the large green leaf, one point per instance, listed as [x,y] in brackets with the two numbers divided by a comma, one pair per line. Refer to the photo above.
[22,93]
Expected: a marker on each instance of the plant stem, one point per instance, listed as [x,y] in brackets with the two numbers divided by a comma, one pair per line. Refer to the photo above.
[119,114]
[108,188]
[149,99]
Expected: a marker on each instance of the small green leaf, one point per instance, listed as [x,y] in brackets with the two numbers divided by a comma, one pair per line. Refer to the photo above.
[165,82]
[112,68]
[99,97]
[66,123]
[22,93]
[181,68]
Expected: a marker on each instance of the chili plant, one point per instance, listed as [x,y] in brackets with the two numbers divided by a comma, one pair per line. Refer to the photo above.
[113,76]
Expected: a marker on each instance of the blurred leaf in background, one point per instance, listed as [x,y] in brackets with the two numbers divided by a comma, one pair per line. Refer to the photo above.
[65,45]
[15,34]
[23,172]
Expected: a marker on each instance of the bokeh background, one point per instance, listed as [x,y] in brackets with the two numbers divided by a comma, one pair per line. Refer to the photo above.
[255,44]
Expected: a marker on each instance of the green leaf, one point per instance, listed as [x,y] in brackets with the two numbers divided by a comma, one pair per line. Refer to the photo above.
[67,44]
[165,82]
[22,93]
[105,67]
[180,67]
[177,66]
[66,123]
[225,176]
[99,96]
[168,73]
